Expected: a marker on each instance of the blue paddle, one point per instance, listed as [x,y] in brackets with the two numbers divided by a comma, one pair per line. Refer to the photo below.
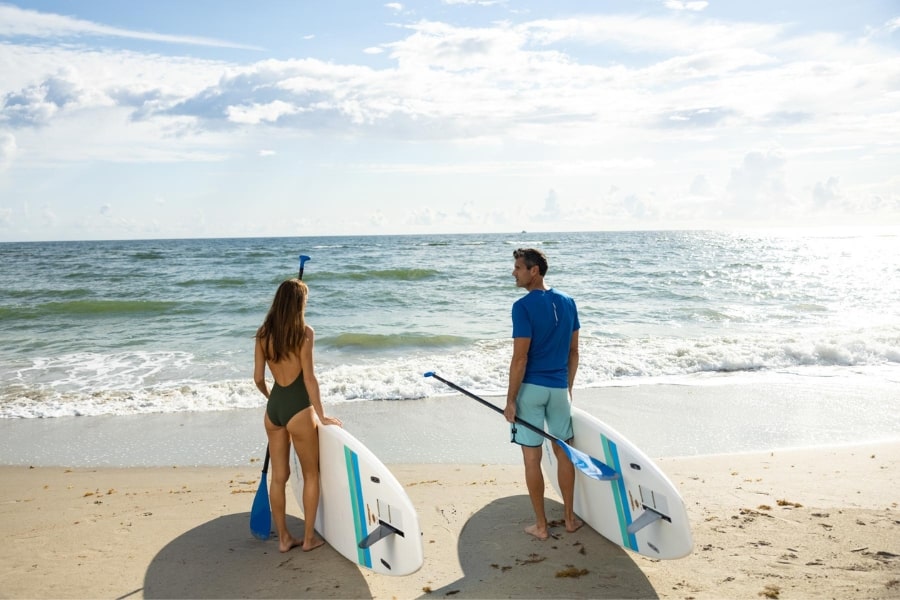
[261,513]
[303,259]
[585,463]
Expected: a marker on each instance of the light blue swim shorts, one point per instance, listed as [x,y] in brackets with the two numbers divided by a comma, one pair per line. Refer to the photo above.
[537,403]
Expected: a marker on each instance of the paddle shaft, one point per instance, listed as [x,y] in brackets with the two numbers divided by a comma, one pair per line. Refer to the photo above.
[496,408]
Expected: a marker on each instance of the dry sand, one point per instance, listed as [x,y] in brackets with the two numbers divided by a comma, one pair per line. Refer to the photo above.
[820,523]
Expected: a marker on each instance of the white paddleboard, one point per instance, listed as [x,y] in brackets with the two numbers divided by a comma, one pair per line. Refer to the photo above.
[364,513]
[642,510]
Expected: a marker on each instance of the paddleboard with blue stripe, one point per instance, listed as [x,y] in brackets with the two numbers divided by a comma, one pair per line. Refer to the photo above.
[642,510]
[364,512]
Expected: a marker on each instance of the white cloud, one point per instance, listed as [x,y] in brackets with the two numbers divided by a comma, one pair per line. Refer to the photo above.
[826,193]
[48,216]
[15,21]
[8,150]
[758,186]
[700,186]
[641,103]
[696,5]
[255,114]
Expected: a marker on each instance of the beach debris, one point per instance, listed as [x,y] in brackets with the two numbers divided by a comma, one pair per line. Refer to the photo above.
[770,591]
[572,572]
[789,504]
[532,559]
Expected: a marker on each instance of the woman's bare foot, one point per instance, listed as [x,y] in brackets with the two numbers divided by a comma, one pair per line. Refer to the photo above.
[575,525]
[288,542]
[315,543]
[539,533]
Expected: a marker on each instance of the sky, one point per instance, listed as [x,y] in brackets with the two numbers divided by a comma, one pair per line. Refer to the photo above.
[226,118]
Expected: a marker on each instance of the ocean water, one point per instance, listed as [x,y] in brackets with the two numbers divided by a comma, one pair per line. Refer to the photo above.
[166,326]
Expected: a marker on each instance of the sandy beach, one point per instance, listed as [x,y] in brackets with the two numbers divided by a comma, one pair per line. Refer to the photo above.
[814,523]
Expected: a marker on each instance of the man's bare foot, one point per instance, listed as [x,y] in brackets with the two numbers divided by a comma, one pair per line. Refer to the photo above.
[541,534]
[315,543]
[575,525]
[288,542]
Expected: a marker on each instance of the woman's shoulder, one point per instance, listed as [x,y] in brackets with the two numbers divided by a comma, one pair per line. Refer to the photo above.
[309,331]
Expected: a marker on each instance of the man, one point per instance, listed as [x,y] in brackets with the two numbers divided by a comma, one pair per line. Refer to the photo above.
[541,374]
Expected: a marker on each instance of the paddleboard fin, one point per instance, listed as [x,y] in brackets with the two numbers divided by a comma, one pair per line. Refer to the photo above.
[379,533]
[647,517]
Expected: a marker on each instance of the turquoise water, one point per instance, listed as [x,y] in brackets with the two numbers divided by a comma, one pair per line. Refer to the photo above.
[134,327]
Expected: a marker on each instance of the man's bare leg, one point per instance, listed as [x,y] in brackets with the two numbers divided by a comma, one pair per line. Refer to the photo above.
[565,474]
[534,479]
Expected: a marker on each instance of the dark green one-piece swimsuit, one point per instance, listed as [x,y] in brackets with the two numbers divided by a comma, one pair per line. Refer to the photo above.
[285,402]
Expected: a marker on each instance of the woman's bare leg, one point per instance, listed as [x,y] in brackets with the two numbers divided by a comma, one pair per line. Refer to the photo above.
[305,435]
[279,453]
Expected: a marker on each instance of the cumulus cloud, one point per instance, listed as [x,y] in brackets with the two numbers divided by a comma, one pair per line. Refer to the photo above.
[696,5]
[8,149]
[48,216]
[258,113]
[552,210]
[700,186]
[827,193]
[37,104]
[758,187]
[617,99]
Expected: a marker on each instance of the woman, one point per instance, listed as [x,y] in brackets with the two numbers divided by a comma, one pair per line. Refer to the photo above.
[285,343]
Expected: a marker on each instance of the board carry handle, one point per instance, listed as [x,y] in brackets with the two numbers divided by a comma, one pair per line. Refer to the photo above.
[587,464]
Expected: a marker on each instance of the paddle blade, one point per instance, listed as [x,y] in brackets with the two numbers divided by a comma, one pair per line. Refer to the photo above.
[261,513]
[589,465]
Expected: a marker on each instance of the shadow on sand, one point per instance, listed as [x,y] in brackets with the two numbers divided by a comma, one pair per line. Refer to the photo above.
[499,560]
[220,559]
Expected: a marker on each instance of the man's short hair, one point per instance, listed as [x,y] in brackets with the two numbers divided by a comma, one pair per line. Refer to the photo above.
[532,257]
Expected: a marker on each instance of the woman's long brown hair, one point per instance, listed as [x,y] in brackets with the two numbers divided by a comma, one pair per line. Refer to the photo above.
[284,328]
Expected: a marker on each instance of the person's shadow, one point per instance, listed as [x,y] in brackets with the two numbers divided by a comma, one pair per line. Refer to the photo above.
[499,560]
[221,559]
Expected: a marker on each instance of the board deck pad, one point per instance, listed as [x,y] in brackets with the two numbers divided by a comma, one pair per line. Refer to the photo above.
[364,513]
[642,510]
